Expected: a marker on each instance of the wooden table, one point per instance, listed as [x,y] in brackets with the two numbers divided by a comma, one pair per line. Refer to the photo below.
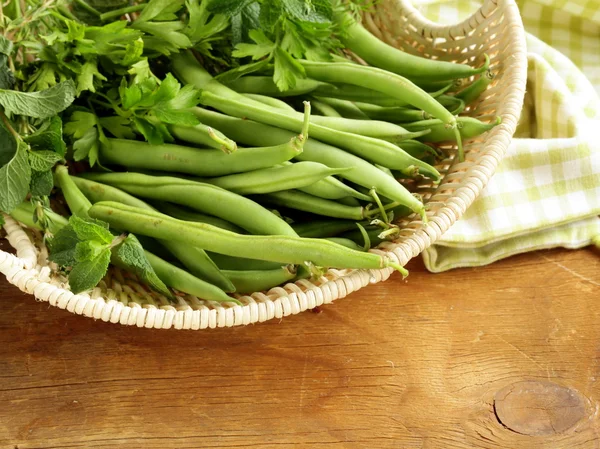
[499,357]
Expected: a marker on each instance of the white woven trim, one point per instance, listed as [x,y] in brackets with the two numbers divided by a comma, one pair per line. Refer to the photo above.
[464,181]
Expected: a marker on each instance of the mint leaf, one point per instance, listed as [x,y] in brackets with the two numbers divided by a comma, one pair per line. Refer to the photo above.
[228,7]
[43,160]
[48,137]
[62,247]
[41,183]
[14,179]
[131,254]
[89,250]
[7,79]
[91,230]
[86,275]
[42,104]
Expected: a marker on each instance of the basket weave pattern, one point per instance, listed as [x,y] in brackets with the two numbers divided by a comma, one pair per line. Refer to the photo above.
[496,30]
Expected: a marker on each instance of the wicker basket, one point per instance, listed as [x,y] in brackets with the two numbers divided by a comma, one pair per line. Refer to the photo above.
[496,29]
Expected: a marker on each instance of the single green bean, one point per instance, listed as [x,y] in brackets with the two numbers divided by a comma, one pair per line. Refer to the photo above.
[260,280]
[183,213]
[324,108]
[200,196]
[284,249]
[469,127]
[294,199]
[264,85]
[225,262]
[183,281]
[271,102]
[275,179]
[365,174]
[181,159]
[195,260]
[472,92]
[453,104]
[349,201]
[346,242]
[384,56]
[420,150]
[77,202]
[213,138]
[385,82]
[392,114]
[346,108]
[369,148]
[323,228]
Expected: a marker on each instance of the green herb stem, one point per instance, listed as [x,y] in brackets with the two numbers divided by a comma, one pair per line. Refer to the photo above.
[121,12]
[88,8]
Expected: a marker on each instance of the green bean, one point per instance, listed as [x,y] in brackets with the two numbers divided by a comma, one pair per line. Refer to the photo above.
[357,237]
[284,249]
[271,102]
[349,201]
[203,197]
[472,92]
[365,174]
[346,108]
[351,92]
[386,170]
[181,159]
[380,54]
[385,82]
[431,86]
[366,147]
[195,260]
[77,202]
[323,228]
[325,109]
[275,179]
[24,213]
[419,150]
[392,114]
[183,213]
[469,127]
[294,199]
[213,138]
[183,281]
[453,104]
[225,262]
[260,280]
[264,85]
[346,242]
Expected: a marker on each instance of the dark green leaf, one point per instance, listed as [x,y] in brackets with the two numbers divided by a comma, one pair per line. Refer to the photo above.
[8,145]
[228,7]
[6,46]
[131,254]
[91,230]
[62,247]
[86,275]
[43,104]
[48,137]
[43,160]
[131,96]
[237,29]
[149,131]
[154,8]
[7,79]
[238,72]
[41,183]
[14,179]
[270,13]
[118,126]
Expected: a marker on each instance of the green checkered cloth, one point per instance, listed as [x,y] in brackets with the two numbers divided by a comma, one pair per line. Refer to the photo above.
[546,192]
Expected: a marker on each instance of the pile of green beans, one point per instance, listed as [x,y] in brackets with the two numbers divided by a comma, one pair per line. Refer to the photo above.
[247,201]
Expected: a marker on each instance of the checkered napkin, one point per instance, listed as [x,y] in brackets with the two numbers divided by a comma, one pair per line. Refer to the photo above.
[546,192]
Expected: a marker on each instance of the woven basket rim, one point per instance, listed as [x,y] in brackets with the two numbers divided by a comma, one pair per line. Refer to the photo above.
[22,270]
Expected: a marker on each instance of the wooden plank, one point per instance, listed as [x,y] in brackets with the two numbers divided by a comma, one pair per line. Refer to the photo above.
[414,364]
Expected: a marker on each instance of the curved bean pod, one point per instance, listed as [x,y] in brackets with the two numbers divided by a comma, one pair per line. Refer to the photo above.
[181,159]
[276,179]
[183,213]
[472,92]
[294,199]
[225,262]
[204,197]
[323,228]
[346,108]
[260,280]
[283,249]
[264,85]
[346,242]
[468,126]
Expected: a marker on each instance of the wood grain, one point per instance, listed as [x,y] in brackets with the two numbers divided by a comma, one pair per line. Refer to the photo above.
[415,364]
